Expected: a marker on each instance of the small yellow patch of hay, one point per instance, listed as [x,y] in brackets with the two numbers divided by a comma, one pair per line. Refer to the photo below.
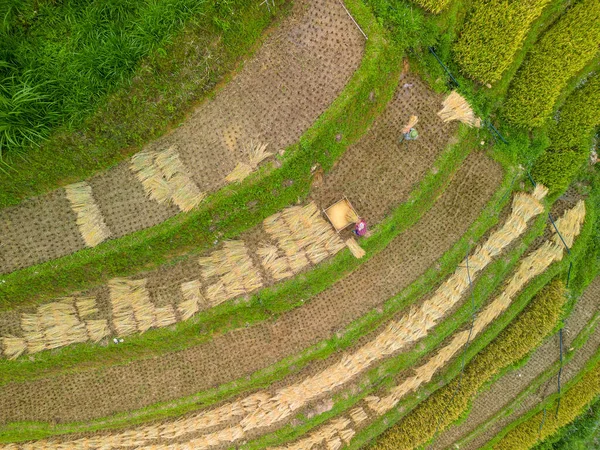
[356,249]
[457,108]
[90,222]
[193,299]
[165,179]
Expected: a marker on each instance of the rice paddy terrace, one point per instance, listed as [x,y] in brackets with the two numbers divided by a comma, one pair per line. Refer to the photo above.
[194,293]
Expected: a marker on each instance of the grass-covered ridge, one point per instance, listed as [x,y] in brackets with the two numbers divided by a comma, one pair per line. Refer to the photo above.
[174,63]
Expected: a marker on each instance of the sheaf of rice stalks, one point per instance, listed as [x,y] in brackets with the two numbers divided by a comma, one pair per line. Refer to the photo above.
[132,310]
[97,329]
[90,222]
[257,153]
[356,249]
[13,346]
[165,179]
[263,409]
[277,266]
[86,306]
[194,299]
[457,108]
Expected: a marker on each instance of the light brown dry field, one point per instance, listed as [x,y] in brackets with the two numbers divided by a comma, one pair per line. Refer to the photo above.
[300,69]
[505,390]
[102,392]
[376,174]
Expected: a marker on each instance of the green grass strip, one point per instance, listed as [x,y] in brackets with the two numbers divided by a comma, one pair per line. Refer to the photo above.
[448,163]
[225,213]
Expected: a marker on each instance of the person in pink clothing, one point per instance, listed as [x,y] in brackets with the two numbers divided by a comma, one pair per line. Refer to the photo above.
[360,229]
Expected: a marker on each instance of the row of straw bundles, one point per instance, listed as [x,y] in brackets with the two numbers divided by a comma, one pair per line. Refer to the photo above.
[89,218]
[235,271]
[165,178]
[256,154]
[132,310]
[457,108]
[262,409]
[530,267]
[55,325]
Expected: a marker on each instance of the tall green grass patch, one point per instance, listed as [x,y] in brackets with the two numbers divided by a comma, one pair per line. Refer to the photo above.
[560,54]
[59,59]
[492,35]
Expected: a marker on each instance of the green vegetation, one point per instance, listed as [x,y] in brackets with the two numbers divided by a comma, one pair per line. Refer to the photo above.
[560,54]
[527,332]
[582,434]
[109,117]
[570,137]
[492,35]
[434,6]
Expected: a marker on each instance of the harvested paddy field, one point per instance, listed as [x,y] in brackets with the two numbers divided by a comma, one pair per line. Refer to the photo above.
[301,68]
[242,352]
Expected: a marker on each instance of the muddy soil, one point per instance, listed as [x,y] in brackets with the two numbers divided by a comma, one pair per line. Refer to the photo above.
[506,389]
[301,68]
[97,393]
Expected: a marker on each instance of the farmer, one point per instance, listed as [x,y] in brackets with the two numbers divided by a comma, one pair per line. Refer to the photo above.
[409,132]
[360,229]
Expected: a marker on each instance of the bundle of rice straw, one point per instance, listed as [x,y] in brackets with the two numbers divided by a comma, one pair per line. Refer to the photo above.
[457,108]
[90,222]
[165,179]
[356,249]
[277,266]
[194,300]
[132,309]
[256,153]
[569,224]
[12,346]
[411,123]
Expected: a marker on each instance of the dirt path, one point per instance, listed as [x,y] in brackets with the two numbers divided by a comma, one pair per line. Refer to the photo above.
[98,393]
[292,79]
[505,390]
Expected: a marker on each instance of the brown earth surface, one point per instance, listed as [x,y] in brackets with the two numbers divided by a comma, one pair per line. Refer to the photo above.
[374,192]
[300,69]
[97,393]
[506,389]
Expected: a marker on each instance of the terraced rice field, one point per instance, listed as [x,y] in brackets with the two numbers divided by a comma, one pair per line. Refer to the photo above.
[438,328]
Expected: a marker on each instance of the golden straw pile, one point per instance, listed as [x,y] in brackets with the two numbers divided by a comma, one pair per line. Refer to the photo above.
[89,218]
[165,179]
[355,249]
[132,310]
[457,108]
[235,271]
[302,237]
[55,325]
[257,153]
[530,267]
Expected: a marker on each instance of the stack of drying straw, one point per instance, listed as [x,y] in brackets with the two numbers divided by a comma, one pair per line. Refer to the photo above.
[132,310]
[89,218]
[165,179]
[457,108]
[302,237]
[530,267]
[55,325]
[235,271]
[256,154]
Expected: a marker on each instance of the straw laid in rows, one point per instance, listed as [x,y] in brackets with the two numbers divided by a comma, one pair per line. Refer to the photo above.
[165,179]
[90,222]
